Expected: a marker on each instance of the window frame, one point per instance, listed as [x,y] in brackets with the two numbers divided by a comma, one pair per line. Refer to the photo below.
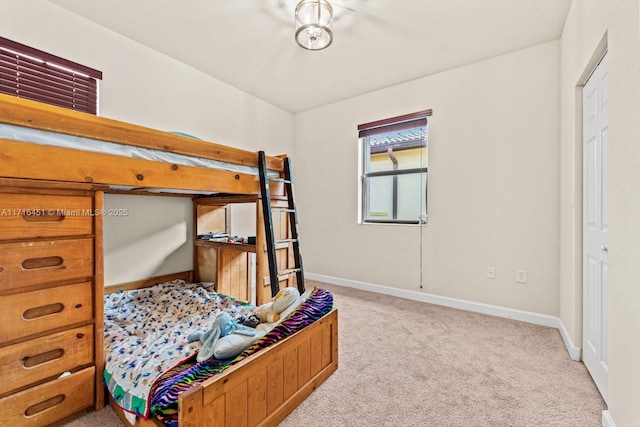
[366,130]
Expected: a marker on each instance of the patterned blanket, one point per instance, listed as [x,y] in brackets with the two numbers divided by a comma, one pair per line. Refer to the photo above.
[164,401]
[146,331]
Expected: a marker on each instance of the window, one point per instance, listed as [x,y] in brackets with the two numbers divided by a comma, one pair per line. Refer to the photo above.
[393,168]
[32,74]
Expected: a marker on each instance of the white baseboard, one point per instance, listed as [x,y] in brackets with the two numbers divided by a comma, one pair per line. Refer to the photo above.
[574,351]
[477,307]
[607,419]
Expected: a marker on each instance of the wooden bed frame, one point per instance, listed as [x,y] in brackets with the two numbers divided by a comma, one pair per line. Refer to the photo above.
[265,387]
[260,390]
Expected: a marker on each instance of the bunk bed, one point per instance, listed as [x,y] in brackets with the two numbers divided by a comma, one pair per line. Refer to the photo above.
[55,167]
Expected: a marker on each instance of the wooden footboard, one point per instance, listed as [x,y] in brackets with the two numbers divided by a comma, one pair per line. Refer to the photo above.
[263,389]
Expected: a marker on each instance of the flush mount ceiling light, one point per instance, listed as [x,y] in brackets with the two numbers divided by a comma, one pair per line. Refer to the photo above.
[313,24]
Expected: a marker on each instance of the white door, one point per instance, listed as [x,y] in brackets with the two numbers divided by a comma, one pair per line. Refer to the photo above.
[595,97]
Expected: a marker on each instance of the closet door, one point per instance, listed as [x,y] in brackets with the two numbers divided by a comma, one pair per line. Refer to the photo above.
[596,226]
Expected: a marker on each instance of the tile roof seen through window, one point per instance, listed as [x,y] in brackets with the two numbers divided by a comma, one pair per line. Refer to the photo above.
[403,140]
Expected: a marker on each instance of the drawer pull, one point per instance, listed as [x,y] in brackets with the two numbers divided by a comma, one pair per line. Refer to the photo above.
[45,310]
[39,359]
[79,336]
[77,306]
[44,262]
[42,215]
[44,405]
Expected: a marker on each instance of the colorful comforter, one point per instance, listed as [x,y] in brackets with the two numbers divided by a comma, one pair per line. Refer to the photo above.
[164,401]
[145,333]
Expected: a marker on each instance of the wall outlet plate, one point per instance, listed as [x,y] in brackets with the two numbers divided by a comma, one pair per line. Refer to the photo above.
[491,272]
[521,276]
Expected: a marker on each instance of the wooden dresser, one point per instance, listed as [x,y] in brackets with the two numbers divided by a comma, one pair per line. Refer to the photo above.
[51,293]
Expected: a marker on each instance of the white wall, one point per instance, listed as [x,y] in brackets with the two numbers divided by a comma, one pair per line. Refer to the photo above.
[618,24]
[144,87]
[493,185]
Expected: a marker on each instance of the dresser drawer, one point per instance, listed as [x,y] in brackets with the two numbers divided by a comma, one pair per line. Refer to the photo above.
[28,362]
[49,402]
[24,264]
[28,313]
[25,216]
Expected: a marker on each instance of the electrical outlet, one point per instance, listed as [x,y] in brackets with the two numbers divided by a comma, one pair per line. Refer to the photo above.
[491,272]
[521,276]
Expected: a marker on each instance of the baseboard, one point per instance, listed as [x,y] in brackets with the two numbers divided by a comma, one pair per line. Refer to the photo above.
[607,419]
[574,351]
[493,310]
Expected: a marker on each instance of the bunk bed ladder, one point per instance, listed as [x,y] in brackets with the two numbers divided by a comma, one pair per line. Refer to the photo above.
[294,239]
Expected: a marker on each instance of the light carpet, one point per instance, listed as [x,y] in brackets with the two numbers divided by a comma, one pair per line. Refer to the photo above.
[407,363]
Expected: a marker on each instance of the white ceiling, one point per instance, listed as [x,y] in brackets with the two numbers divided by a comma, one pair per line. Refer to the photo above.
[250,44]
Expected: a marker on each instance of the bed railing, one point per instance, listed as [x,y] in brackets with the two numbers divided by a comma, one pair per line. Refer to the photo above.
[31,114]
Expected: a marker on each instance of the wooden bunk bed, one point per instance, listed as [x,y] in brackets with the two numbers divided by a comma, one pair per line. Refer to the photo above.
[52,278]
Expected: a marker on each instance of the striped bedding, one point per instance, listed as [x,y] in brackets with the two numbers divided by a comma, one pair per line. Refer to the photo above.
[164,395]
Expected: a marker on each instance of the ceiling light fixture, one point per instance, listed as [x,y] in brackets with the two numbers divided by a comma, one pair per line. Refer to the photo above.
[313,24]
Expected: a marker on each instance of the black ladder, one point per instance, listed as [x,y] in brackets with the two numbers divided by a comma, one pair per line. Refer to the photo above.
[294,239]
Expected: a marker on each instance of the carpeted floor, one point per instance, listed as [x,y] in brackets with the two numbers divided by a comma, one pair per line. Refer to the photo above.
[406,363]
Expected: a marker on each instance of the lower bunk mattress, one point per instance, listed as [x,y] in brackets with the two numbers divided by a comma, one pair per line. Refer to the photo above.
[149,359]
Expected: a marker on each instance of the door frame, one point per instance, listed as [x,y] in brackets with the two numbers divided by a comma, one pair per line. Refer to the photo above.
[577,202]
[597,315]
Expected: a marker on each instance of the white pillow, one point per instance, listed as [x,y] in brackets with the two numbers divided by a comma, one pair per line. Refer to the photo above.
[232,345]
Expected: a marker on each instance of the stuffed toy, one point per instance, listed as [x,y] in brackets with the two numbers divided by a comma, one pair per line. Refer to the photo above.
[270,312]
[222,326]
[251,320]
